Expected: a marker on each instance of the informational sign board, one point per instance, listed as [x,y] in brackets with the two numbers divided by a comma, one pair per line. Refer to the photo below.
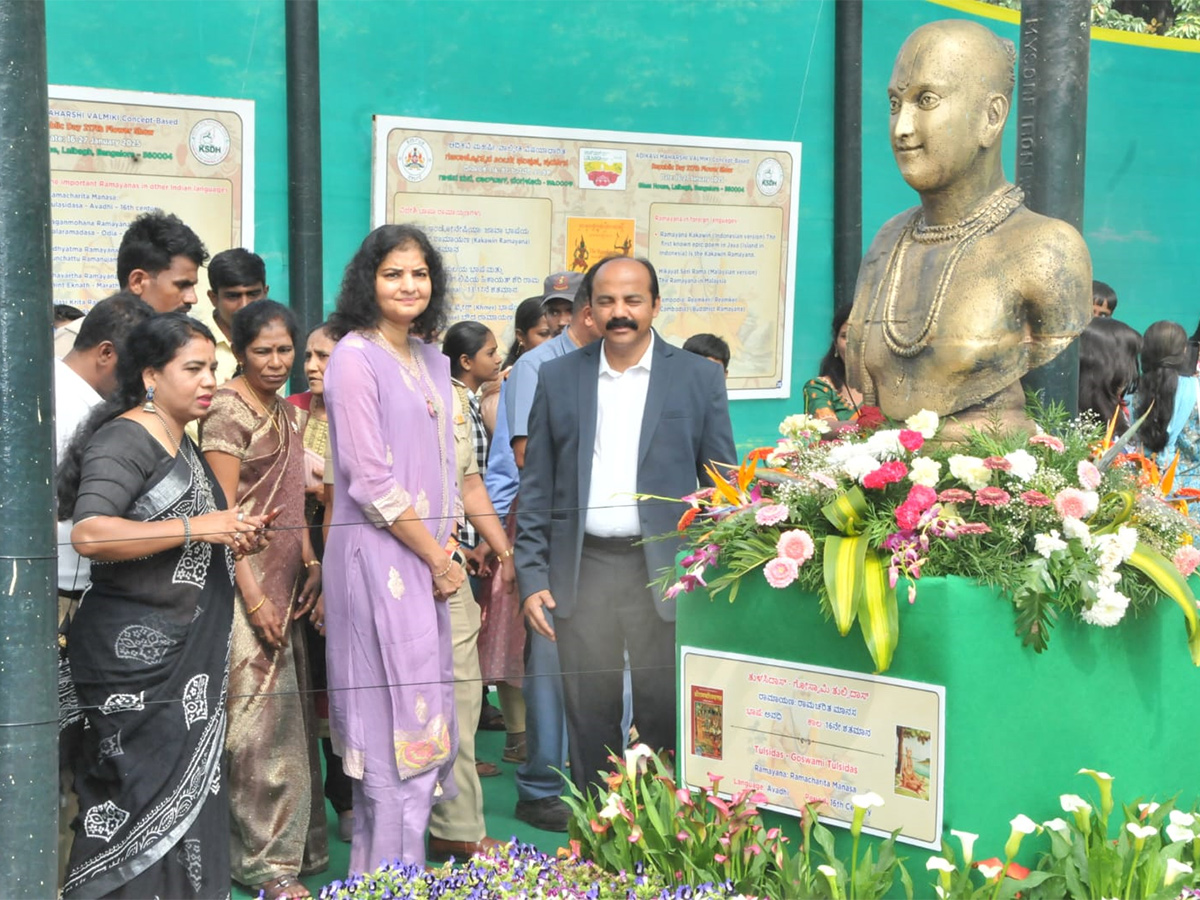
[807,734]
[117,154]
[508,205]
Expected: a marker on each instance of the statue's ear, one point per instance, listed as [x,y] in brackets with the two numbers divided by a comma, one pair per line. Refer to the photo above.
[996,114]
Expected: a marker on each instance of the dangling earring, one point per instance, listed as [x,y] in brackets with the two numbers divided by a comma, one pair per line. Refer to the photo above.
[148,406]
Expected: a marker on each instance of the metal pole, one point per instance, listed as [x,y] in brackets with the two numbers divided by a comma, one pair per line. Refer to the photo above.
[1051,142]
[28,608]
[847,154]
[304,168]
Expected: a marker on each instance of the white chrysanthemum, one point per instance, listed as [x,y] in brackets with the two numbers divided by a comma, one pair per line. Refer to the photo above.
[1046,544]
[1108,610]
[925,422]
[970,470]
[1108,551]
[1107,578]
[885,444]
[1075,528]
[1024,464]
[857,467]
[924,471]
[1127,538]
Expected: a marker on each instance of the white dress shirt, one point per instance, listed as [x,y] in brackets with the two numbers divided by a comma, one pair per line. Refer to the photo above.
[74,399]
[620,404]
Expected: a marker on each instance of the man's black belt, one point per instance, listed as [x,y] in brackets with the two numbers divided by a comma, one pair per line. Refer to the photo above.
[610,543]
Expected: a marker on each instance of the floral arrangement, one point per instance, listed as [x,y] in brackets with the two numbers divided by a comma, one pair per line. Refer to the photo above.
[513,870]
[1156,853]
[646,823]
[1060,521]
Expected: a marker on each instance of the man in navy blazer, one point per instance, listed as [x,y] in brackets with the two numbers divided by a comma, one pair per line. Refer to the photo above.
[627,415]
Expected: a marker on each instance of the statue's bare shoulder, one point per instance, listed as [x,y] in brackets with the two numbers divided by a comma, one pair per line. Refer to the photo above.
[1054,261]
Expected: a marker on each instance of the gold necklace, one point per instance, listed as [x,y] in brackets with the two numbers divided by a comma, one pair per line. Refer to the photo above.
[413,365]
[270,416]
[995,208]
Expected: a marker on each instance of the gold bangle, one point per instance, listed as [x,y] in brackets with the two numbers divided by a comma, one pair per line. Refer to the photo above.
[445,571]
[311,563]
[506,554]
[251,612]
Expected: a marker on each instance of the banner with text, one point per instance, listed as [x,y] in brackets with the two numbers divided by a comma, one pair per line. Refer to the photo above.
[508,205]
[117,154]
[807,734]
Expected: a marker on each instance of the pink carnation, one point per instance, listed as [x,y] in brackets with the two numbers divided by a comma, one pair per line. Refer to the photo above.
[771,514]
[1048,440]
[992,496]
[921,497]
[1186,559]
[907,516]
[954,495]
[1072,503]
[888,473]
[780,572]
[910,440]
[1034,498]
[1089,475]
[796,544]
[997,463]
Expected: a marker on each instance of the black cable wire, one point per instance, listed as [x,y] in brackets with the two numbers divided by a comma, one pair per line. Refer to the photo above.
[368,687]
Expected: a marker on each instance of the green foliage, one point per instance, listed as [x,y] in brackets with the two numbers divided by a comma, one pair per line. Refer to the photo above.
[646,823]
[1169,18]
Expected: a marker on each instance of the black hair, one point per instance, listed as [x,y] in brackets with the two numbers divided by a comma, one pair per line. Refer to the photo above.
[529,313]
[111,320]
[833,366]
[251,319]
[709,345]
[236,267]
[1164,355]
[1102,293]
[66,313]
[1108,368]
[150,345]
[357,307]
[464,339]
[323,326]
[589,278]
[152,241]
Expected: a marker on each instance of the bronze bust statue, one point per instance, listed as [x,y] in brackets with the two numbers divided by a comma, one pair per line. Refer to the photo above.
[959,297]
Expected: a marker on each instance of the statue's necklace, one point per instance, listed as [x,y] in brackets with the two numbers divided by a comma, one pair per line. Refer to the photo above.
[994,209]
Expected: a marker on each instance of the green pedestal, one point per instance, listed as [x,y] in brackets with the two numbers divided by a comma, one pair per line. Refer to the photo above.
[1019,725]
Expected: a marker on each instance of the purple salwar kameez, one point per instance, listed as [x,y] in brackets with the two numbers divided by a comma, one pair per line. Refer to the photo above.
[390,662]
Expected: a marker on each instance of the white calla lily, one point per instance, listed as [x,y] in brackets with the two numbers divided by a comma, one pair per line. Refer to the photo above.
[1175,868]
[968,844]
[867,801]
[1147,809]
[1057,824]
[990,872]
[1024,824]
[1179,817]
[1177,833]
[1074,803]
[610,809]
[1141,832]
[941,864]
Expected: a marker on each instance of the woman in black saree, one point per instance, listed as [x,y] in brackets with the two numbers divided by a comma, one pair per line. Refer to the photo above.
[148,648]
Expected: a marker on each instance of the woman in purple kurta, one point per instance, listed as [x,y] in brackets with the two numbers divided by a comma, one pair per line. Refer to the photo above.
[387,565]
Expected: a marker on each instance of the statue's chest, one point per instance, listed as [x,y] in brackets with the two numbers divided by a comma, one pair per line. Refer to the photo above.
[929,294]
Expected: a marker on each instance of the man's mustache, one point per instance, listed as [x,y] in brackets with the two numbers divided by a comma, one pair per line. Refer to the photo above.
[616,323]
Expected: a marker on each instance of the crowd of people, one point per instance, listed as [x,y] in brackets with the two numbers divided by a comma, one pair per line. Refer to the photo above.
[248,579]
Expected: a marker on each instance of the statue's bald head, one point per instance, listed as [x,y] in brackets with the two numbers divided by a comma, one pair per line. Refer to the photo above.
[968,50]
